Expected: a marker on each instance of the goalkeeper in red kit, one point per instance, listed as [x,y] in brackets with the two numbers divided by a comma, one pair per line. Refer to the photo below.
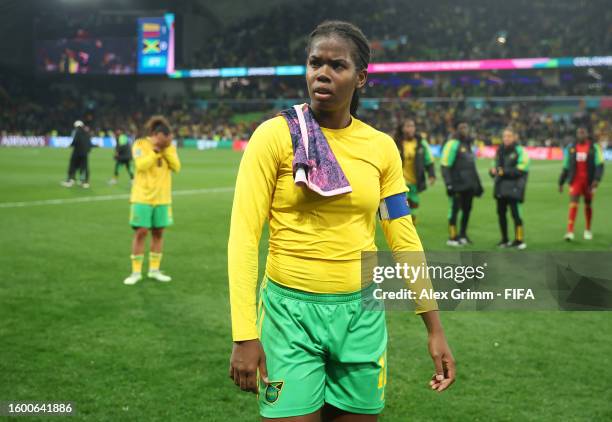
[582,169]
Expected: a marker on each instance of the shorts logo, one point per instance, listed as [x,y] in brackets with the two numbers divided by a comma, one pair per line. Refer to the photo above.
[273,391]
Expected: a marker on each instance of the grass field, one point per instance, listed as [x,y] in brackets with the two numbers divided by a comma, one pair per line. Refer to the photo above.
[71,331]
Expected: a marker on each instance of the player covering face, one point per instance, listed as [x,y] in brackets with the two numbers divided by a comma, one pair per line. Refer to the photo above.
[155,159]
[304,362]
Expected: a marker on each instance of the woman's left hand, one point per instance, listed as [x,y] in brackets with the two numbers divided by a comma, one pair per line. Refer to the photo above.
[443,362]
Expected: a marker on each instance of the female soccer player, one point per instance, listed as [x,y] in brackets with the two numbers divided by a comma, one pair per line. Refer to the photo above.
[311,350]
[583,167]
[510,173]
[155,158]
[416,161]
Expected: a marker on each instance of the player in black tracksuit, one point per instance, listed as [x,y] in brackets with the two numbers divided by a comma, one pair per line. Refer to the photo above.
[79,160]
[458,165]
[123,157]
[510,173]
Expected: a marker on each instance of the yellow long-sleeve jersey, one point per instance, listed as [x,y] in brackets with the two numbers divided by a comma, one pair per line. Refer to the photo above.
[153,177]
[315,242]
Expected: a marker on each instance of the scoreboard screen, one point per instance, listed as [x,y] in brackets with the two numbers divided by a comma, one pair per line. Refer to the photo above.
[156,45]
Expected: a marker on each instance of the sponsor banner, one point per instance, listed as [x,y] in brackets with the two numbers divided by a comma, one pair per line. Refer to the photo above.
[534,153]
[556,153]
[23,141]
[60,141]
[189,143]
[203,144]
[486,152]
[200,144]
[396,67]
[225,144]
[105,142]
[65,141]
[239,145]
[538,153]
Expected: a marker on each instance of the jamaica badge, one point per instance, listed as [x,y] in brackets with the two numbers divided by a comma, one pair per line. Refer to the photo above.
[273,391]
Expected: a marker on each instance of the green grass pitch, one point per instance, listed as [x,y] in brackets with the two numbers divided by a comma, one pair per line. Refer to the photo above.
[71,331]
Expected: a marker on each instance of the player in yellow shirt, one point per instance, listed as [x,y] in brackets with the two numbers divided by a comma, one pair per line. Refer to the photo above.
[155,159]
[417,161]
[310,349]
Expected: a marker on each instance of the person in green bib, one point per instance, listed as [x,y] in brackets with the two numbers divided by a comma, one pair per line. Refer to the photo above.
[417,162]
[123,157]
[458,166]
[510,174]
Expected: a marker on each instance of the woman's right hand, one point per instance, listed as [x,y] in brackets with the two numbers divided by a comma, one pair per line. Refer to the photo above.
[247,357]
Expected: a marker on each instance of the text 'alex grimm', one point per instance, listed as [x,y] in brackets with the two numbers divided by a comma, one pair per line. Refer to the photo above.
[455,294]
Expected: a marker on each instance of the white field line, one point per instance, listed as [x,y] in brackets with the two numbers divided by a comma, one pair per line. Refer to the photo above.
[98,198]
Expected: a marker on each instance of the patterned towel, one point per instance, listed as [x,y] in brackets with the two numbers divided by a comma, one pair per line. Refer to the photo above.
[314,163]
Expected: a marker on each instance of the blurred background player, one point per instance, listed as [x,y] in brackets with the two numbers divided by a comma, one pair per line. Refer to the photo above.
[151,200]
[510,173]
[458,165]
[582,169]
[416,161]
[123,157]
[79,160]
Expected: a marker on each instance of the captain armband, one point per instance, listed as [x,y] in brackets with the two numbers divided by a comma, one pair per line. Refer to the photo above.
[394,206]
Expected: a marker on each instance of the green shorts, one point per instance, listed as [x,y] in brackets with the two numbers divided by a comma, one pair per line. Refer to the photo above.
[413,196]
[151,216]
[320,348]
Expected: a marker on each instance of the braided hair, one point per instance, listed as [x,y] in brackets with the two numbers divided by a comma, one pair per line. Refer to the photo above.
[398,137]
[360,52]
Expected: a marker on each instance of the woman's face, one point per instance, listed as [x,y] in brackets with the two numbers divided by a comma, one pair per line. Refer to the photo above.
[508,137]
[162,140]
[331,74]
[409,129]
[463,130]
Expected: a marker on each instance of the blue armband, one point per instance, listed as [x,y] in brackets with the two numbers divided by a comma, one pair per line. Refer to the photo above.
[394,206]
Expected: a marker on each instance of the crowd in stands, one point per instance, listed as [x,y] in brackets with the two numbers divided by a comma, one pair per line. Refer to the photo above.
[418,30]
[572,82]
[537,122]
[398,31]
[105,115]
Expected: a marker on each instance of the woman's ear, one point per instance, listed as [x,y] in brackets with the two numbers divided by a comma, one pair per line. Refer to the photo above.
[362,77]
